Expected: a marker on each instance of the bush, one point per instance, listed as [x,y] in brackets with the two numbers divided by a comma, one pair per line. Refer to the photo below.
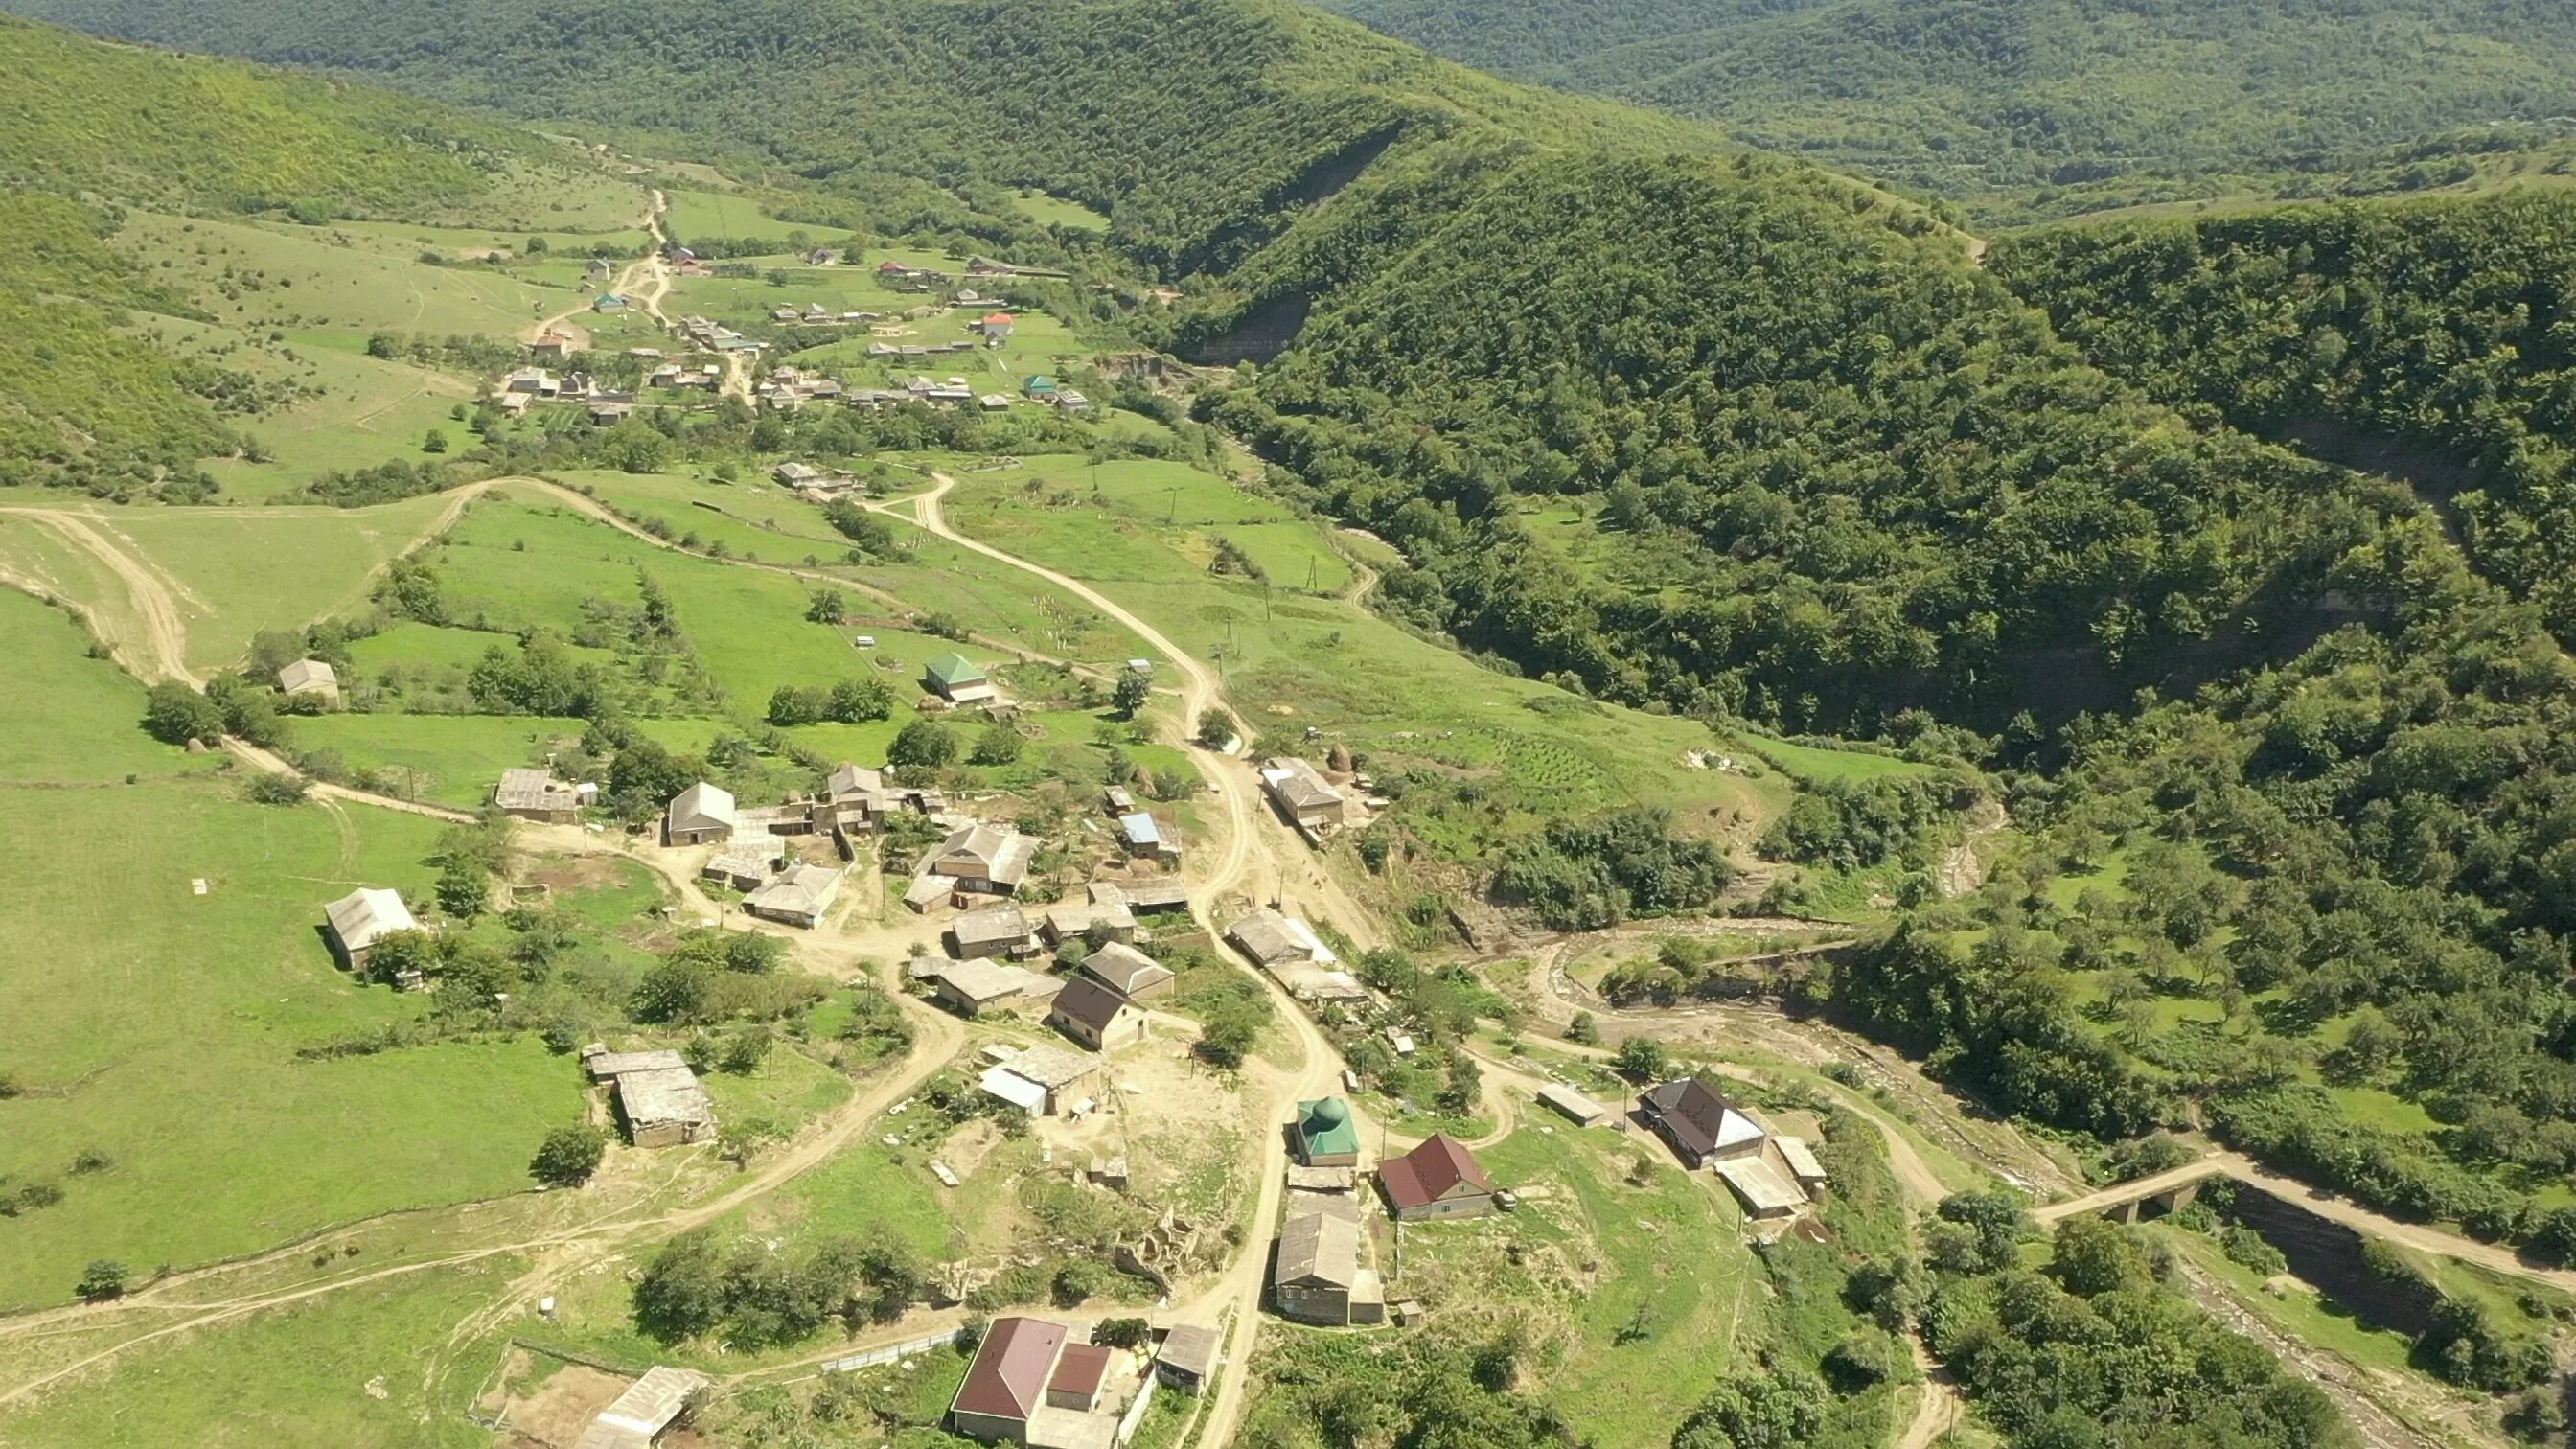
[175,714]
[569,1155]
[924,744]
[102,1280]
[267,789]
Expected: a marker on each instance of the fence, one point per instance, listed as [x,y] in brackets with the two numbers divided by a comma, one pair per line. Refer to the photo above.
[890,1352]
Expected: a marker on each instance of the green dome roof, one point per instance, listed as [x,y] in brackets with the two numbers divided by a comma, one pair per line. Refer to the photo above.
[1331,1112]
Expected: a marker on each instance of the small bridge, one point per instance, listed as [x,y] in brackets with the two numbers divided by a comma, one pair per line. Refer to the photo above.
[2147,1197]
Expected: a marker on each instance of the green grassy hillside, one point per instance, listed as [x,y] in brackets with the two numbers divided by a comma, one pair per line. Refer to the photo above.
[2043,105]
[104,394]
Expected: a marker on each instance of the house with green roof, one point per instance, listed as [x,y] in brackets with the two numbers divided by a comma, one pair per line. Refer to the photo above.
[1324,1135]
[1039,386]
[957,679]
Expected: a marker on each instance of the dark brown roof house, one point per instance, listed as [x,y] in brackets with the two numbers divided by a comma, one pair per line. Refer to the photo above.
[1439,1179]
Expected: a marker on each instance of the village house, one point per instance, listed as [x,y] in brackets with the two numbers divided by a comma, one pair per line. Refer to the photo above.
[996,327]
[553,347]
[1069,401]
[1096,1016]
[310,676]
[637,1418]
[1763,1189]
[854,798]
[1323,1134]
[991,931]
[360,919]
[532,382]
[1301,792]
[1006,1385]
[746,865]
[609,302]
[703,814]
[974,986]
[1573,1105]
[1141,836]
[1080,1372]
[1801,1160]
[1439,1179]
[1699,1125]
[1316,1276]
[537,795]
[957,679]
[1188,1356]
[658,1097]
[1129,972]
[801,896]
[1118,800]
[984,858]
[1040,388]
[1273,940]
[1108,923]
[1039,1080]
[598,269]
[1144,897]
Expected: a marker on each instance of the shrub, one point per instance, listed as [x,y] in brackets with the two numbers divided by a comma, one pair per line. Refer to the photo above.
[569,1155]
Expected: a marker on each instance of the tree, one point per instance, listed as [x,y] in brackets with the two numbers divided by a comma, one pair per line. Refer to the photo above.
[569,1155]
[675,990]
[997,744]
[102,1280]
[2094,1255]
[463,889]
[1216,728]
[828,606]
[434,441]
[926,744]
[1131,691]
[1584,1030]
[855,701]
[175,714]
[681,1293]
[1642,1059]
[1783,1408]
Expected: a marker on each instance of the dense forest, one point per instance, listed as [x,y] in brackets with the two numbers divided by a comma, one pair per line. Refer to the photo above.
[2436,339]
[2046,106]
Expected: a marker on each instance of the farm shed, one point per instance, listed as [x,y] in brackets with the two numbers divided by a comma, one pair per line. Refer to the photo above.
[702,814]
[363,917]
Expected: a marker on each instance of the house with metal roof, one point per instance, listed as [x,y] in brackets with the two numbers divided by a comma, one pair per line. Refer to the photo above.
[1129,972]
[1439,1179]
[1188,1356]
[985,858]
[1109,922]
[1764,1190]
[974,987]
[1316,1276]
[1576,1107]
[310,676]
[1096,1016]
[1323,1134]
[537,795]
[650,1405]
[1802,1162]
[1139,833]
[1699,1125]
[800,896]
[1006,1385]
[702,814]
[360,919]
[1039,1080]
[991,931]
[955,678]
[1301,792]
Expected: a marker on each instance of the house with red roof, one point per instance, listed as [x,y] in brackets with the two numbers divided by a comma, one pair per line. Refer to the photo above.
[996,328]
[1079,1373]
[1009,1381]
[1439,1179]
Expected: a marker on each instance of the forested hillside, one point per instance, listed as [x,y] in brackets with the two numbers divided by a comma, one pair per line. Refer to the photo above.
[92,128]
[2042,106]
[2436,338]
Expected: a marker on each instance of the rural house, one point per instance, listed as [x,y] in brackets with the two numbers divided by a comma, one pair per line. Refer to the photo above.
[1317,1277]
[702,814]
[657,1096]
[1573,1105]
[1273,940]
[1006,1385]
[985,858]
[360,919]
[651,1404]
[1111,922]
[1302,793]
[1141,836]
[1144,897]
[310,676]
[1439,1179]
[1700,1125]
[746,865]
[1096,1016]
[975,987]
[1129,972]
[1036,1080]
[991,931]
[801,896]
[1323,1135]
[1188,1356]
[1080,1371]
[1801,1161]
[957,679]
[855,798]
[1764,1190]
[537,795]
